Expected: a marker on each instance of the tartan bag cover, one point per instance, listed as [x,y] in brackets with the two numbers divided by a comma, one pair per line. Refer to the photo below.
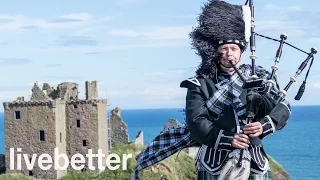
[164,145]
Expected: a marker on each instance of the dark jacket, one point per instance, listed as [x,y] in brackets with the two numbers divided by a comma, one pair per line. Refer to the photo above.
[216,132]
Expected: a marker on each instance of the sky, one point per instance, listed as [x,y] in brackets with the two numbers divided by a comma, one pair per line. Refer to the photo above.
[138,50]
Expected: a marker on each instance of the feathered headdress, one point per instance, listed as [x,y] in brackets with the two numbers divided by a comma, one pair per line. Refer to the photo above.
[219,23]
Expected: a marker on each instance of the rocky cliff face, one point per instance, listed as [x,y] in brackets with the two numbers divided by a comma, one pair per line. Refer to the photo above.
[171,123]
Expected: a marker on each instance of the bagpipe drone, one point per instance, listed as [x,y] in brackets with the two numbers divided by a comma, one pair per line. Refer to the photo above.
[266,90]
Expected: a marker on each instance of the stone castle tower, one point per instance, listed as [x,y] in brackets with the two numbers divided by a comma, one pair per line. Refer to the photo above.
[55,118]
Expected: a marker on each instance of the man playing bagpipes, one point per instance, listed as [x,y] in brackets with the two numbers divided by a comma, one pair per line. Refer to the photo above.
[225,118]
[216,102]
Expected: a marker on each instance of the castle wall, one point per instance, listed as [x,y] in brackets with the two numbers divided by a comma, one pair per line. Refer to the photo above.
[119,129]
[85,137]
[71,125]
[68,91]
[24,133]
[91,90]
[60,131]
[102,129]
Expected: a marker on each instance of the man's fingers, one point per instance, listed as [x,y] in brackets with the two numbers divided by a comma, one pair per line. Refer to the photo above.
[236,144]
[242,138]
[252,131]
[240,141]
[241,145]
[255,134]
[251,128]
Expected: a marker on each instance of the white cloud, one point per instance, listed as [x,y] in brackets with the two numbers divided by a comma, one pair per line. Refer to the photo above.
[296,8]
[12,95]
[79,16]
[194,16]
[83,31]
[316,85]
[289,20]
[160,33]
[157,96]
[17,22]
[162,93]
[126,2]
[166,73]
[271,7]
[101,48]
[14,61]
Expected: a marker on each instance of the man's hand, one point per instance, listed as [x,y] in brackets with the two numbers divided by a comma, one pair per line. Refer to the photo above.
[253,129]
[240,141]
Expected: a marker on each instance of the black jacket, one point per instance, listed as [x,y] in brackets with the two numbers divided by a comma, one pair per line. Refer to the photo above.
[205,126]
[216,132]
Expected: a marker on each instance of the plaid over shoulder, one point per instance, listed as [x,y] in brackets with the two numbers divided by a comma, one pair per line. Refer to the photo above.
[164,145]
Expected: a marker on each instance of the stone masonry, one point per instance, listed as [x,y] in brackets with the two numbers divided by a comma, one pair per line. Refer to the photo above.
[119,129]
[85,120]
[91,90]
[55,118]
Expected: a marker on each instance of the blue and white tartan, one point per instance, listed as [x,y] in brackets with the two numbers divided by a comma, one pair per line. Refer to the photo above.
[228,90]
[231,88]
[173,140]
[164,145]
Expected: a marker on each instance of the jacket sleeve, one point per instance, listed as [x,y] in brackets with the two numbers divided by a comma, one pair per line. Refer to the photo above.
[277,118]
[199,124]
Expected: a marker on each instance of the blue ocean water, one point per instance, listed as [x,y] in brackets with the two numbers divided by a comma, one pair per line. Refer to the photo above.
[296,147]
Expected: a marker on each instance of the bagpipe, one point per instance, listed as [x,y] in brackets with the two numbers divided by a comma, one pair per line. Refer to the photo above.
[265,90]
[260,89]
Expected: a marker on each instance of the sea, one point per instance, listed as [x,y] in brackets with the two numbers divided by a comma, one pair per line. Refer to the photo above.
[296,147]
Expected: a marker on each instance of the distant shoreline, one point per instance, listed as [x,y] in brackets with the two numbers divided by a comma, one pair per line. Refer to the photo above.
[183,107]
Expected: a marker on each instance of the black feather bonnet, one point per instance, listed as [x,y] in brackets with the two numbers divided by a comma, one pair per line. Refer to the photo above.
[219,23]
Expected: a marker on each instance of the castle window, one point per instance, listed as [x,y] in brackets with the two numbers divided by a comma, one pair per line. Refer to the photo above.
[42,137]
[78,123]
[75,106]
[60,137]
[17,113]
[84,142]
[30,173]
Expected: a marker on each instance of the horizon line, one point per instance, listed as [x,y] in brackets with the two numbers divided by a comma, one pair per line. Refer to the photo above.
[183,107]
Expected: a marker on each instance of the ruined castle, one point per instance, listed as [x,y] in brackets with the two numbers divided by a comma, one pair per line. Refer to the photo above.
[57,118]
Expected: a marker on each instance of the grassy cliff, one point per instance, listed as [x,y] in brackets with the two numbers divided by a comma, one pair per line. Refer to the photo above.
[173,168]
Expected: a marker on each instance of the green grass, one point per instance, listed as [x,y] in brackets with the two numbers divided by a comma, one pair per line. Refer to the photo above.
[277,170]
[172,168]
[14,176]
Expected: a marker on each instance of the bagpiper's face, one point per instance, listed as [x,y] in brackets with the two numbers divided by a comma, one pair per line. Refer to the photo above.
[230,52]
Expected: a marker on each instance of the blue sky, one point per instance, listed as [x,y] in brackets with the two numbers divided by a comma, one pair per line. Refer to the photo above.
[137,50]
